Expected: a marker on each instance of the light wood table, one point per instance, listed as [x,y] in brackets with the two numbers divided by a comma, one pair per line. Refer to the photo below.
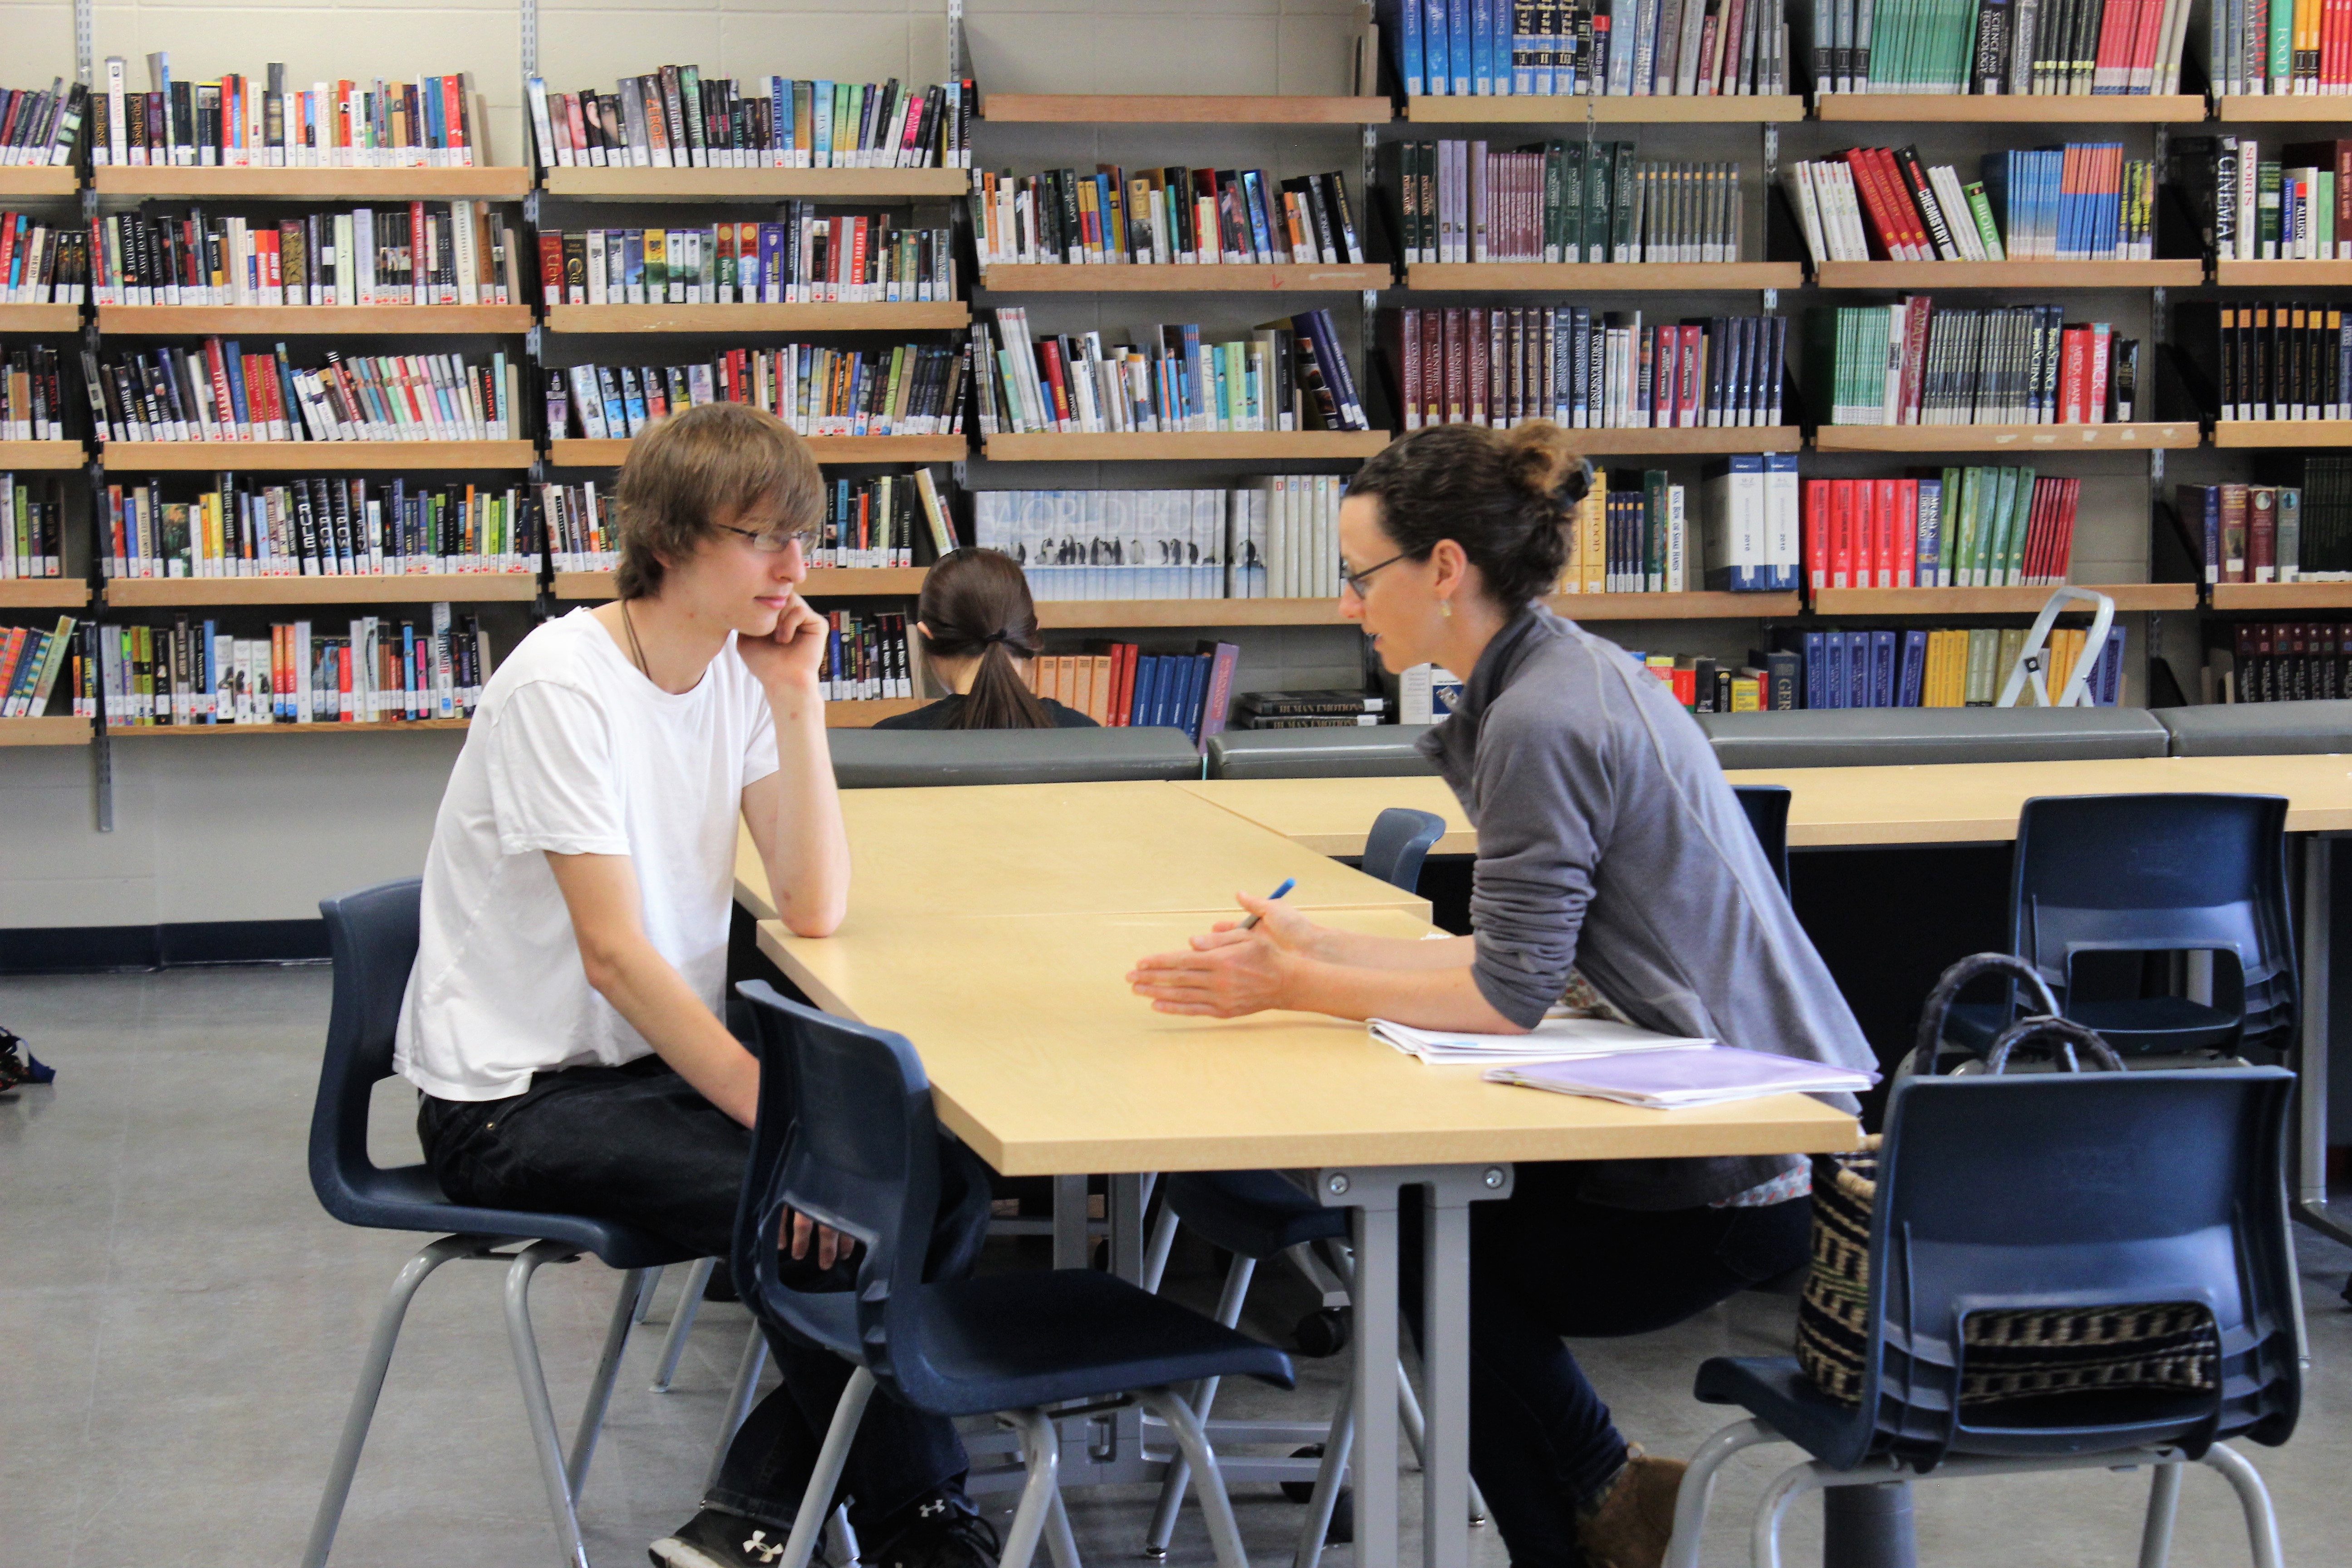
[1331,816]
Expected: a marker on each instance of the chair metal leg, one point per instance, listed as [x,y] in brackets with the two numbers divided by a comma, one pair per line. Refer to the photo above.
[1202,1396]
[646,1293]
[2163,1502]
[534,1378]
[843,1538]
[1155,1254]
[1764,1539]
[681,1321]
[1061,1542]
[1699,1482]
[816,1503]
[2261,1520]
[600,1391]
[748,1367]
[1041,1451]
[362,1413]
[1224,1535]
[1327,1477]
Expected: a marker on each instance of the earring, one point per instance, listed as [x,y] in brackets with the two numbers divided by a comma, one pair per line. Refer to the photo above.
[1445,608]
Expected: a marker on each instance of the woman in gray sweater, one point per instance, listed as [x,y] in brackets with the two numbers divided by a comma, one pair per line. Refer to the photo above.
[1614,860]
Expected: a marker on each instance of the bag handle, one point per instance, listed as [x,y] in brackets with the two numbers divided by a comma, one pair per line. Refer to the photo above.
[2063,1035]
[1948,987]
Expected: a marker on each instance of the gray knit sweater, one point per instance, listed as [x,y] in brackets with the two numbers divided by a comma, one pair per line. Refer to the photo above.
[1608,840]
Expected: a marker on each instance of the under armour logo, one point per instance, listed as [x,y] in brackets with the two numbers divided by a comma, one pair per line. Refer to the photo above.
[758,1546]
[932,1509]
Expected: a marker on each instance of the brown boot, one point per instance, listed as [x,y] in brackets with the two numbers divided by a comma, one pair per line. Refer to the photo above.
[1632,1525]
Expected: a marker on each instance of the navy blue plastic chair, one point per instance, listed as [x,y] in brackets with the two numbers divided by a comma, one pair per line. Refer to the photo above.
[372,937]
[1766,806]
[1401,839]
[2099,876]
[847,1135]
[2046,1191]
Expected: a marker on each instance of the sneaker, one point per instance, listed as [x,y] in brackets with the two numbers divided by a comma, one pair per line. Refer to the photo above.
[1634,1520]
[942,1532]
[717,1539]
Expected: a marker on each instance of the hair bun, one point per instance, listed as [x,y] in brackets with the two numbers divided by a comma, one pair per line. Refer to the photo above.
[1540,457]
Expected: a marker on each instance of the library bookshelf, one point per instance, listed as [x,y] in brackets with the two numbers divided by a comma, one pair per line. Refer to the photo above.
[1219,278]
[1688,607]
[2019,601]
[283,457]
[312,320]
[2275,596]
[2147,437]
[406,588]
[2256,434]
[40,318]
[1069,613]
[758,185]
[1180,445]
[61,731]
[43,593]
[2284,274]
[2003,109]
[822,583]
[1600,277]
[848,715]
[491,183]
[1644,440]
[2291,109]
[49,182]
[1179,109]
[1649,109]
[2159,274]
[42,457]
[611,453]
[190,731]
[916,315]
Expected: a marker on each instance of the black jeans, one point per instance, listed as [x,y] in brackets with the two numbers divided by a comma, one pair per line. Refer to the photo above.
[638,1144]
[1545,1263]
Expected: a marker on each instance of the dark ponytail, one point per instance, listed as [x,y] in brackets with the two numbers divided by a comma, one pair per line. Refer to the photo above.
[977,605]
[1506,496]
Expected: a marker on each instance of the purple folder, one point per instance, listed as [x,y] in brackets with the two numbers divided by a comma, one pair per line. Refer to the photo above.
[1666,1079]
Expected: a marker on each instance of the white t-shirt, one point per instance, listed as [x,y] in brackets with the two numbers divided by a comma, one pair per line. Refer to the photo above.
[573,750]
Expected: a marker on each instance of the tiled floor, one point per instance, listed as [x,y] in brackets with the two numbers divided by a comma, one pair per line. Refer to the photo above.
[180,1326]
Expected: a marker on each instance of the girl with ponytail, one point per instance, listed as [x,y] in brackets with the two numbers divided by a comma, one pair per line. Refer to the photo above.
[979,631]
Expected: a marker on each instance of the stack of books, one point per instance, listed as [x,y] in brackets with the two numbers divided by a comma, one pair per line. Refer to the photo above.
[1704,685]
[342,526]
[41,127]
[1275,537]
[2264,360]
[41,264]
[1120,685]
[379,672]
[1910,363]
[1588,48]
[1583,370]
[910,389]
[579,523]
[30,659]
[866,658]
[2282,661]
[221,391]
[420,253]
[674,118]
[1923,668]
[31,528]
[1964,528]
[236,122]
[1632,533]
[2294,205]
[2046,47]
[1161,217]
[1568,201]
[32,395]
[1292,376]
[1315,710]
[876,521]
[843,258]
[2258,533]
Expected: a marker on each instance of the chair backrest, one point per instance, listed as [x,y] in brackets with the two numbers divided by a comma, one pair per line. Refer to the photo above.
[1401,839]
[372,935]
[2049,1191]
[845,1135]
[1768,812]
[2149,873]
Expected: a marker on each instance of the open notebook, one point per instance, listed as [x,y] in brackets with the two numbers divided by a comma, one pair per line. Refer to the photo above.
[1667,1080]
[1554,1039]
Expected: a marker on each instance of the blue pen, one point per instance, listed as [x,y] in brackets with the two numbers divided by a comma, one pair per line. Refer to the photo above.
[1250,919]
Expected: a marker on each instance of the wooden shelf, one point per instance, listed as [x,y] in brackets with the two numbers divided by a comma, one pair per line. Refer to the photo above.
[1118,447]
[710,185]
[2283,274]
[866,715]
[325,456]
[47,457]
[1068,614]
[2022,601]
[65,732]
[2282,596]
[2010,274]
[823,582]
[2309,108]
[40,318]
[1693,606]
[2001,438]
[327,185]
[2030,108]
[1218,277]
[916,315]
[612,454]
[39,182]
[1641,440]
[412,588]
[1602,276]
[1559,109]
[1179,108]
[382,727]
[2261,433]
[292,320]
[43,593]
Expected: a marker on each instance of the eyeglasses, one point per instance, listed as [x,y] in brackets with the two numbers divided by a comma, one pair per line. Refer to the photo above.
[771,541]
[1356,580]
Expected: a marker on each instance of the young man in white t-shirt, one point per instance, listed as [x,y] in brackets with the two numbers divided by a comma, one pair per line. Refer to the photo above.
[562,1021]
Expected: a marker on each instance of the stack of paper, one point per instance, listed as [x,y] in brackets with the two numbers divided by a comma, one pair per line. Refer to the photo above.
[1553,1040]
[1672,1079]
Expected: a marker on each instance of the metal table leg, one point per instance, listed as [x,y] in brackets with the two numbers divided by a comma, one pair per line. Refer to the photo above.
[2311,1058]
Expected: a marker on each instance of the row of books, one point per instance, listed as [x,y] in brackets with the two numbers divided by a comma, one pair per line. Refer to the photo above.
[2282,661]
[1611,370]
[1910,363]
[32,395]
[1274,537]
[2079,202]
[41,127]
[192,672]
[876,521]
[1164,216]
[1921,667]
[221,391]
[804,259]
[32,527]
[2277,47]
[1336,706]
[1573,201]
[41,264]
[2268,360]
[866,658]
[2241,532]
[1119,684]
[418,253]
[1288,375]
[236,122]
[1632,533]
[339,526]
[2042,47]
[1976,527]
[30,659]
[2295,205]
[2082,201]
[909,389]
[674,118]
[1588,48]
